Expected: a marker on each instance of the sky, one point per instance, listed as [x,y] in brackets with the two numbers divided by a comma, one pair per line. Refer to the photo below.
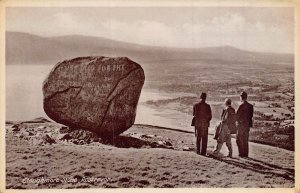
[262,29]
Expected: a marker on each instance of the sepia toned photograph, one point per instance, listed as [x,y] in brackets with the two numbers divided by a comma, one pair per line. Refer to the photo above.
[149,97]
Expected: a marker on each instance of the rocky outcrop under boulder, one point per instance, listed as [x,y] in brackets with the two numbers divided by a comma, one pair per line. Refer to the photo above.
[50,133]
[99,94]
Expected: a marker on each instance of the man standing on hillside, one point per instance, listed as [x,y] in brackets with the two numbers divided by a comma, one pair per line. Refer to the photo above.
[244,120]
[202,114]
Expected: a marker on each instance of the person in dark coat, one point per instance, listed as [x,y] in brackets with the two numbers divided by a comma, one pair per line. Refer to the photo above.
[227,123]
[244,122]
[202,114]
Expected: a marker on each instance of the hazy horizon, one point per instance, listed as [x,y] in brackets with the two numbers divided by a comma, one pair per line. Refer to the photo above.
[259,29]
[147,45]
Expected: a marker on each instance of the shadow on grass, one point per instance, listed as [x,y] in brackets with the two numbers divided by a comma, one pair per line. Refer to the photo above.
[132,142]
[258,166]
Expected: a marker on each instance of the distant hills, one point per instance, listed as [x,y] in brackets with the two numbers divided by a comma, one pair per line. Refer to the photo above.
[24,48]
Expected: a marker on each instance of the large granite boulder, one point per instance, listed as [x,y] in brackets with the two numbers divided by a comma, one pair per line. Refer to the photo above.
[99,94]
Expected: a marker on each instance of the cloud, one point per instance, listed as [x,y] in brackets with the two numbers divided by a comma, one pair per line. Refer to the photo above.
[231,29]
[64,19]
[228,28]
[141,32]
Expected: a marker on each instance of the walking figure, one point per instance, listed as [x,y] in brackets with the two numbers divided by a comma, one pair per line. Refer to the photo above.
[227,125]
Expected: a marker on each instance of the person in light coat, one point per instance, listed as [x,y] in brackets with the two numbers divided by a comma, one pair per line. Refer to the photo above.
[227,125]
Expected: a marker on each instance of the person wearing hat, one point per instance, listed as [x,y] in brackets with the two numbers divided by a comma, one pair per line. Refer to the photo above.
[244,122]
[202,114]
[227,126]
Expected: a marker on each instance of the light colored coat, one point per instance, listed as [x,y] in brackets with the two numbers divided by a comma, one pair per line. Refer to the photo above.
[227,119]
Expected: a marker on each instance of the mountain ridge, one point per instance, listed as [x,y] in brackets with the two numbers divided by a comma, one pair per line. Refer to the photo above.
[26,48]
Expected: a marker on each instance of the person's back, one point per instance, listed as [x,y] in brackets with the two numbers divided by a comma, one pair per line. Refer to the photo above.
[230,117]
[245,114]
[227,124]
[202,114]
[244,119]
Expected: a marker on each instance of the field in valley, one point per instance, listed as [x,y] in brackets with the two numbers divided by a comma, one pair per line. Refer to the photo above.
[270,88]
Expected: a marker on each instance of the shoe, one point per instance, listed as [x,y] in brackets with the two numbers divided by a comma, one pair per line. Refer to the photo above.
[215,155]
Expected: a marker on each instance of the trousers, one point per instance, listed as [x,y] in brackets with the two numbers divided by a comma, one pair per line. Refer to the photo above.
[228,144]
[242,138]
[201,139]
